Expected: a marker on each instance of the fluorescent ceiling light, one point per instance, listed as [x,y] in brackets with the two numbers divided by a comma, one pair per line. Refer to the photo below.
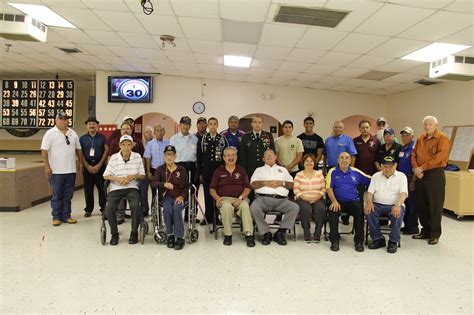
[237,61]
[435,51]
[43,14]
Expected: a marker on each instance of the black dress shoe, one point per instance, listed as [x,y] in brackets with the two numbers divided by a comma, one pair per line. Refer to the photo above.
[87,214]
[267,238]
[170,243]
[133,238]
[335,246]
[377,244]
[345,220]
[115,239]
[392,247]
[279,237]
[179,243]
[250,240]
[433,241]
[420,236]
[120,221]
[359,247]
[203,222]
[408,232]
[127,216]
[227,240]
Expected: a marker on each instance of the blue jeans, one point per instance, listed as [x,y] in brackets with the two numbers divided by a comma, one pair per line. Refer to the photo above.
[172,213]
[374,225]
[62,187]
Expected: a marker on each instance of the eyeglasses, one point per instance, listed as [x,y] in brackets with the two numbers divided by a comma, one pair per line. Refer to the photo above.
[67,140]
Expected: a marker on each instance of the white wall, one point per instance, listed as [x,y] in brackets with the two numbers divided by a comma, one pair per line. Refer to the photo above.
[174,96]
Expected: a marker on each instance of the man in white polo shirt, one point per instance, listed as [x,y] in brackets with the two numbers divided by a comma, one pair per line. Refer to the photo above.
[387,191]
[59,149]
[272,184]
[124,170]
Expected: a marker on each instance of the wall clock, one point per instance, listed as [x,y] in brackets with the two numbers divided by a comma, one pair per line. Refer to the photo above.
[199,107]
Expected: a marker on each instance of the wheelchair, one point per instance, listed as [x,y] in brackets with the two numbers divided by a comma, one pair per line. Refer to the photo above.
[159,233]
[191,232]
[142,228]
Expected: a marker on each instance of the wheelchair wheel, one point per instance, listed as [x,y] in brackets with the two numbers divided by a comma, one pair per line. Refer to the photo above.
[103,234]
[193,236]
[160,238]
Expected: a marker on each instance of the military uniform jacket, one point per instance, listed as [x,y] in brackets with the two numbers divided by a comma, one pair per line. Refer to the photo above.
[252,150]
[210,154]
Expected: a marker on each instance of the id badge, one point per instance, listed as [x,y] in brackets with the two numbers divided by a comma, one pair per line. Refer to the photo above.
[92,152]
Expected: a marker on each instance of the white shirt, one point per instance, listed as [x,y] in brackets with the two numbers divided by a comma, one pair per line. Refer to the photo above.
[118,167]
[385,190]
[61,156]
[275,172]
[186,147]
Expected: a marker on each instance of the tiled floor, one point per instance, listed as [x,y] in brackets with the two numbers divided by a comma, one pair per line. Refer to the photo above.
[66,269]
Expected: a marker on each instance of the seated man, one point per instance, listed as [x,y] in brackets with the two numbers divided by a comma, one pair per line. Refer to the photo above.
[341,184]
[230,187]
[387,191]
[123,171]
[272,184]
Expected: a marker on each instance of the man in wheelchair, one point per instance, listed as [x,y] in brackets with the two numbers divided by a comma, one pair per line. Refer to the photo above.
[123,171]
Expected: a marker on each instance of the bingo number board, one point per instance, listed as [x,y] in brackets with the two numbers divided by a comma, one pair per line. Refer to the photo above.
[35,103]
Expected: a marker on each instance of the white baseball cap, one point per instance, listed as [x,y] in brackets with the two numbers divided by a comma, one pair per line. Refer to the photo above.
[126,137]
[128,118]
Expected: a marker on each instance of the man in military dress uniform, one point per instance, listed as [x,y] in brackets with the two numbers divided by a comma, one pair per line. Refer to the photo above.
[209,157]
[253,145]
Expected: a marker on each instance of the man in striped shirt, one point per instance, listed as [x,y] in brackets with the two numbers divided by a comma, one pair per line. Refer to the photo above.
[123,171]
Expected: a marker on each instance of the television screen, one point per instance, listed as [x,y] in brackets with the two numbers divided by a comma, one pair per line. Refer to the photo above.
[130,89]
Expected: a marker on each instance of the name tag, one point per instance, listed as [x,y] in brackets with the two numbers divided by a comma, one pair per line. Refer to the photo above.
[401,154]
[92,152]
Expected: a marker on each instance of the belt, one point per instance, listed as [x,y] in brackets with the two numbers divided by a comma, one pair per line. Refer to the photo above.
[276,196]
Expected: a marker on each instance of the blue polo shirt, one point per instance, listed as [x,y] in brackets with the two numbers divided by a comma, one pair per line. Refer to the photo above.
[97,142]
[233,140]
[344,185]
[404,163]
[155,151]
[335,145]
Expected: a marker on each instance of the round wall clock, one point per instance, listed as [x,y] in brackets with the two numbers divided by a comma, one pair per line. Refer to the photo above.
[199,107]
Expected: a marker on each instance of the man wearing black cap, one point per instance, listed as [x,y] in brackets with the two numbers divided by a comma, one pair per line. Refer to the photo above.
[387,191]
[389,148]
[201,126]
[94,150]
[59,148]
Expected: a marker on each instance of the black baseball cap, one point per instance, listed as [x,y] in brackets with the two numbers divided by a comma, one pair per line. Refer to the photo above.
[170,148]
[185,120]
[61,115]
[91,119]
[388,160]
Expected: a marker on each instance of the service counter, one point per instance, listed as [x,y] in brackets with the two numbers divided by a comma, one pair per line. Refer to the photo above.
[459,195]
[26,185]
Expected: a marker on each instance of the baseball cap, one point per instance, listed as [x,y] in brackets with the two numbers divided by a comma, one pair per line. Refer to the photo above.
[380,119]
[170,148]
[128,118]
[201,119]
[61,115]
[126,137]
[91,119]
[407,130]
[185,120]
[388,160]
[389,130]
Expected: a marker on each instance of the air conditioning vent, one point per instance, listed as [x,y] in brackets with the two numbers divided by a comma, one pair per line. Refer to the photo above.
[310,16]
[69,50]
[426,82]
[22,27]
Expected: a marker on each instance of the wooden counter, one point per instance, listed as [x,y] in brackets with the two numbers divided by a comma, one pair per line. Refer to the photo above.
[459,195]
[27,185]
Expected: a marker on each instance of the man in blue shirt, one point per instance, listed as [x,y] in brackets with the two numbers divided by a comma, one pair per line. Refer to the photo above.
[154,153]
[233,134]
[410,219]
[94,150]
[341,184]
[335,144]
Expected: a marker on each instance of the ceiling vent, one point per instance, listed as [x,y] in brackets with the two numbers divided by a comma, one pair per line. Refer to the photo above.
[22,27]
[426,82]
[69,50]
[376,75]
[458,68]
[310,16]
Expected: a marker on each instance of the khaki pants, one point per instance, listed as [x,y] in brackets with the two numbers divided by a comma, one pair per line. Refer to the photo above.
[243,211]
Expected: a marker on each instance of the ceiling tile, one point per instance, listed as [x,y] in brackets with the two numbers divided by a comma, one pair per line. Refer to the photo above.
[333,79]
[152,54]
[54,37]
[439,25]
[405,78]
[393,19]
[281,35]
[236,70]
[370,62]
[235,77]
[193,8]
[322,69]
[96,50]
[261,72]
[205,29]
[421,70]
[82,18]
[113,60]
[431,4]
[181,44]
[58,3]
[359,43]
[180,56]
[464,6]
[124,51]
[400,65]
[109,5]
[285,75]
[188,67]
[276,53]
[160,24]
[310,77]
[139,40]
[397,47]
[464,37]
[321,39]
[349,72]
[204,46]
[241,32]
[301,83]
[239,49]
[305,55]
[210,68]
[360,11]
[121,21]
[208,59]
[293,66]
[238,10]
[337,59]
[265,63]
[107,38]
[76,36]
[161,7]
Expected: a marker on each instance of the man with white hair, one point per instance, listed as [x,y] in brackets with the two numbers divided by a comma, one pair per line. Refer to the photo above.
[429,158]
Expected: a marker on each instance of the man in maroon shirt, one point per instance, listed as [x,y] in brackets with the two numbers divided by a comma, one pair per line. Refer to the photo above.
[230,187]
[367,146]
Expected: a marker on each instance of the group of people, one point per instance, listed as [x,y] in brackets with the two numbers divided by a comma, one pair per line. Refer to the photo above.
[250,174]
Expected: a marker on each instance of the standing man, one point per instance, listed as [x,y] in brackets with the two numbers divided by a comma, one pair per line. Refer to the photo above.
[233,134]
[312,143]
[154,153]
[186,151]
[367,147]
[147,135]
[410,219]
[59,148]
[289,149]
[94,151]
[253,146]
[210,152]
[201,126]
[389,148]
[116,134]
[381,126]
[335,144]
[429,158]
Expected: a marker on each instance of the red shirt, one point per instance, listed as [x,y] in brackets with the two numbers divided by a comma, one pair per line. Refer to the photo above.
[366,153]
[137,146]
[230,184]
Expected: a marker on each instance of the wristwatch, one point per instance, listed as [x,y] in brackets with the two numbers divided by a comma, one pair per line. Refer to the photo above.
[240,197]
[398,204]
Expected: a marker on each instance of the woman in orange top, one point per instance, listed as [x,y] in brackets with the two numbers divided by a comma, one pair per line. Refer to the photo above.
[310,188]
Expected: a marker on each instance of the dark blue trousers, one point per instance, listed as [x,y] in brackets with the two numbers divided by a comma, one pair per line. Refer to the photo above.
[62,187]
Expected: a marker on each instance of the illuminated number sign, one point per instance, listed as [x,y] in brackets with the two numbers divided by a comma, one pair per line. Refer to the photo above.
[134,90]
[35,103]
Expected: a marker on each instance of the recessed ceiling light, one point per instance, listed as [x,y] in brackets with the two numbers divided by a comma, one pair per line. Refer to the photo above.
[237,61]
[435,51]
[42,14]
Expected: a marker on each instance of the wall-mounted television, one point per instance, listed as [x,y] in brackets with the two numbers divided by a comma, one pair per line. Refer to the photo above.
[130,89]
